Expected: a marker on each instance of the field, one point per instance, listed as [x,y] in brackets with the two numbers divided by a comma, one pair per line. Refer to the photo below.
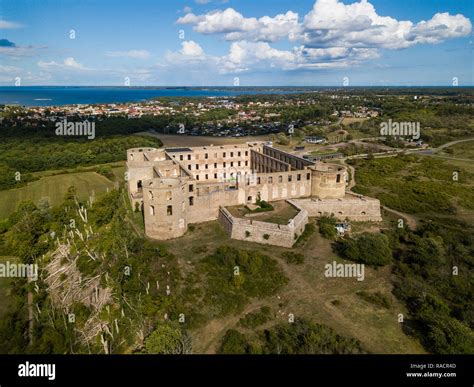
[330,301]
[351,120]
[53,188]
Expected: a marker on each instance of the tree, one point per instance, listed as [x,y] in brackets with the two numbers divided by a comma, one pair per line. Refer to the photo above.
[371,249]
[165,339]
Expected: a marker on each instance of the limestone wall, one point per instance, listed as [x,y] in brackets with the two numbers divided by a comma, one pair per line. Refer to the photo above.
[352,207]
[262,232]
[328,181]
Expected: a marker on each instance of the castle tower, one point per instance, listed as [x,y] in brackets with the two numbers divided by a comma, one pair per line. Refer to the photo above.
[328,181]
[165,202]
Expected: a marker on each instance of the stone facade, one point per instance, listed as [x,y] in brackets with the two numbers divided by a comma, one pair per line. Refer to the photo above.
[352,207]
[178,186]
[263,232]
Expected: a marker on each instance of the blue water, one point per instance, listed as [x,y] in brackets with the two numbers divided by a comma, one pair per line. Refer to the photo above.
[57,95]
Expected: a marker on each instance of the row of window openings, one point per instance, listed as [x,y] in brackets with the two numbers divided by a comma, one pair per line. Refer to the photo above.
[224,164]
[270,181]
[206,155]
[169,209]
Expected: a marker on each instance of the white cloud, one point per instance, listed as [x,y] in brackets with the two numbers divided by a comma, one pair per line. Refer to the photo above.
[190,52]
[8,25]
[331,35]
[68,64]
[191,48]
[331,23]
[215,22]
[136,54]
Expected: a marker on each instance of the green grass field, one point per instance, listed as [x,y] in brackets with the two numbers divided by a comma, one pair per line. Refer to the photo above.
[53,188]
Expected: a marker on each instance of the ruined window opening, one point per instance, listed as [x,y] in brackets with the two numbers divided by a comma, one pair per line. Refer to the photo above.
[191,200]
[152,210]
[191,188]
[298,176]
[168,195]
[139,184]
[308,176]
[150,193]
[169,210]
[338,178]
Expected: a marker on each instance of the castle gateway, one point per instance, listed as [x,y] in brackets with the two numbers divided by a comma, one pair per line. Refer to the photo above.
[179,186]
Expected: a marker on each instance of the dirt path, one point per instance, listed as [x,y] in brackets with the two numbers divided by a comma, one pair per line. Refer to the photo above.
[448,144]
[411,220]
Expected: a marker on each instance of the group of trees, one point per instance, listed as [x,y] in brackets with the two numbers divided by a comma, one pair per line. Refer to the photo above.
[300,337]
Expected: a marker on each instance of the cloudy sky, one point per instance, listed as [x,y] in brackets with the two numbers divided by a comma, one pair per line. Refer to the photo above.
[216,42]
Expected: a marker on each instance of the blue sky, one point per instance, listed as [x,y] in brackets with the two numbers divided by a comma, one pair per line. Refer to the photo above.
[264,42]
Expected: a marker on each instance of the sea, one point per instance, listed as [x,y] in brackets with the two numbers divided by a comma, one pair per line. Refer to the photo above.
[71,95]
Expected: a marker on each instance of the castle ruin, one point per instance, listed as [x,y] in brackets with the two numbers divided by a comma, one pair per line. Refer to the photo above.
[176,187]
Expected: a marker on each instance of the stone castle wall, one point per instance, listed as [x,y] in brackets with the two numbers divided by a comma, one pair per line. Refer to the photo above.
[351,207]
[263,232]
[179,186]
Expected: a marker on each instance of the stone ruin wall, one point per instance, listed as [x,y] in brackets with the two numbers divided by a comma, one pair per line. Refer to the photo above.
[278,235]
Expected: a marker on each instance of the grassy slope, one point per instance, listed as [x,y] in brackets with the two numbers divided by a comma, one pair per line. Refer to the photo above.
[54,188]
[308,294]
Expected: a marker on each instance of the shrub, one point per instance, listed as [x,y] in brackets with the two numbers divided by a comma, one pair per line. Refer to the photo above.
[235,343]
[292,257]
[327,227]
[266,236]
[371,249]
[254,319]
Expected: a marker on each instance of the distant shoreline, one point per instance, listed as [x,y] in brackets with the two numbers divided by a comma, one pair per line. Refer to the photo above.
[33,96]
